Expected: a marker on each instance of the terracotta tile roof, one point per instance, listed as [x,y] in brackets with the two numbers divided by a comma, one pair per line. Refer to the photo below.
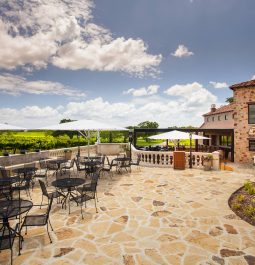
[244,84]
[226,108]
[225,124]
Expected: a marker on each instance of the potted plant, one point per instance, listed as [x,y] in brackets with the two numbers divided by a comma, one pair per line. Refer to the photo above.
[68,154]
[207,162]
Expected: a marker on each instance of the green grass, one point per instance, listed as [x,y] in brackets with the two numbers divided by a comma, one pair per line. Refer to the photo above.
[142,142]
[31,134]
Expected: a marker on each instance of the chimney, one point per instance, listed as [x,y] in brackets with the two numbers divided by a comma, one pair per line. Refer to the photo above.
[213,108]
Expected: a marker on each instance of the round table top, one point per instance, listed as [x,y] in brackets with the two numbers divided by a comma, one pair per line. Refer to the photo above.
[122,159]
[24,170]
[68,182]
[58,161]
[12,208]
[91,163]
[9,180]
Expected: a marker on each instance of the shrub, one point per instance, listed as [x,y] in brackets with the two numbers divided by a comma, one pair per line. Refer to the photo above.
[236,206]
[249,187]
[240,198]
[249,211]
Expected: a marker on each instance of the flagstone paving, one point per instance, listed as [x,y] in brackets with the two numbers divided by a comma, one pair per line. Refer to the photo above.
[152,216]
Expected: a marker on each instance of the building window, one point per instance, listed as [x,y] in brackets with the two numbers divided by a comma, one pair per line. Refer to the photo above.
[225,140]
[226,117]
[208,119]
[212,118]
[218,118]
[252,145]
[251,113]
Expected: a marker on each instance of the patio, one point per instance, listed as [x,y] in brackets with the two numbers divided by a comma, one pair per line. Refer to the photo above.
[152,216]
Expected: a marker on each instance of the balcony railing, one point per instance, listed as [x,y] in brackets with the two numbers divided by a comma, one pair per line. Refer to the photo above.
[166,158]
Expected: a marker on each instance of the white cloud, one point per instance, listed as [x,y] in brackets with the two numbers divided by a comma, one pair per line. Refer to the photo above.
[143,91]
[219,84]
[30,116]
[192,95]
[181,105]
[67,38]
[182,51]
[16,85]
[253,77]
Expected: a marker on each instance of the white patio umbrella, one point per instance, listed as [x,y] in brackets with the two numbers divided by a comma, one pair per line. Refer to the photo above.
[84,127]
[8,127]
[178,135]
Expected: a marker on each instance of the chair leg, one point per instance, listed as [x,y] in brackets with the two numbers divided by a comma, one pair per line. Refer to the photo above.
[50,225]
[96,205]
[48,233]
[41,203]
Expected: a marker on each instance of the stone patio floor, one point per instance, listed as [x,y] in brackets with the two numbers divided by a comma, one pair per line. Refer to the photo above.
[152,216]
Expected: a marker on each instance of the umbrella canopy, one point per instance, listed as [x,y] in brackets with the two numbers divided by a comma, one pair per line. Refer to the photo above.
[8,127]
[176,135]
[84,125]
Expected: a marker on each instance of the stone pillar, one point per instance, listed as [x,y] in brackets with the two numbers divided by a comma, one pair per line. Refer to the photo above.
[216,160]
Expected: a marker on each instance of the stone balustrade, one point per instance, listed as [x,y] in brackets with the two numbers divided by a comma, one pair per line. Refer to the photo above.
[21,159]
[166,158]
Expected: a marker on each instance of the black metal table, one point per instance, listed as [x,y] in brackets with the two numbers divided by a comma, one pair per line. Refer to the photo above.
[25,170]
[58,162]
[122,162]
[13,208]
[67,184]
[91,166]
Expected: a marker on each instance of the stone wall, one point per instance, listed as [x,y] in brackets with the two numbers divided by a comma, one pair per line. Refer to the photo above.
[243,96]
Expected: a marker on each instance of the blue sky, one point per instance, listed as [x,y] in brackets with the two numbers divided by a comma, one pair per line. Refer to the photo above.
[122,61]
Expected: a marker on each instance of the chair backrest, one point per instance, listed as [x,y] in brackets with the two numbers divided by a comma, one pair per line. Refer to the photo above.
[77,163]
[43,188]
[4,173]
[93,183]
[42,163]
[72,162]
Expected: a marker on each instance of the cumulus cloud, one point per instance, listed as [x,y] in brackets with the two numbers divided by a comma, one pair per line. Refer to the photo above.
[253,77]
[193,95]
[36,33]
[183,106]
[143,91]
[16,85]
[30,116]
[219,84]
[182,51]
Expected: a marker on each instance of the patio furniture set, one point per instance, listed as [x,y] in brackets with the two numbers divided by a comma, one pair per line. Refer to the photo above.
[74,181]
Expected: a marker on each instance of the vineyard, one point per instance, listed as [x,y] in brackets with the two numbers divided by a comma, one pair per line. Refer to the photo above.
[14,142]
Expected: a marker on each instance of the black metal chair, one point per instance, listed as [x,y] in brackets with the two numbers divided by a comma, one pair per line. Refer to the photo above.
[23,185]
[48,195]
[39,219]
[136,163]
[68,166]
[42,172]
[88,192]
[5,185]
[79,167]
[108,167]
[7,237]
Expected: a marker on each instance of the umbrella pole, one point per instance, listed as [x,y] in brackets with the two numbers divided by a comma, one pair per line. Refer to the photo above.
[190,151]
[88,141]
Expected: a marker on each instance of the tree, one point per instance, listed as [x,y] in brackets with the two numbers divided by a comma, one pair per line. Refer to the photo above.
[148,124]
[229,100]
[71,134]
